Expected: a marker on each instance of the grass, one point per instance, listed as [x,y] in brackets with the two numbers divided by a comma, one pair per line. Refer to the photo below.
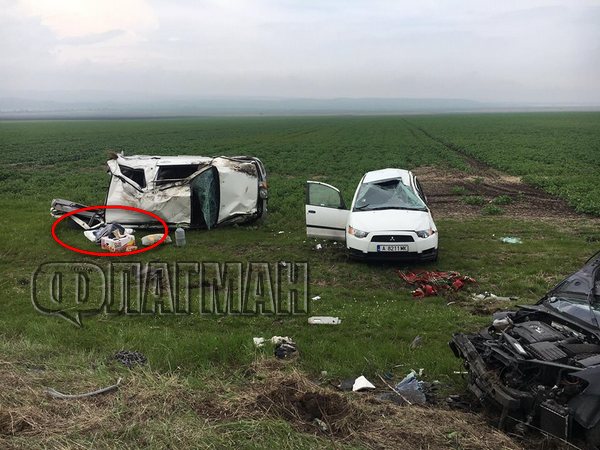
[492,210]
[502,200]
[460,190]
[559,152]
[474,200]
[65,159]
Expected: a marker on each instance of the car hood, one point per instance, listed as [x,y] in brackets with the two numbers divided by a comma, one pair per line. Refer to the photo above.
[583,284]
[580,283]
[390,220]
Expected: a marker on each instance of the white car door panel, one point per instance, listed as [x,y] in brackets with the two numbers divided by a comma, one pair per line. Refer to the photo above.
[326,213]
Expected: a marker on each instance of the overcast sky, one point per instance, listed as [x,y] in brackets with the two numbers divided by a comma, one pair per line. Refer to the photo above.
[508,51]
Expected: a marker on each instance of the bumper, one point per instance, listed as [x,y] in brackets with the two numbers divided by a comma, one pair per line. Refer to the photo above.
[428,255]
[483,382]
[414,247]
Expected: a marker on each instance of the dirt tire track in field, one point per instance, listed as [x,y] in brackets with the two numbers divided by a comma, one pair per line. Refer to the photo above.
[447,189]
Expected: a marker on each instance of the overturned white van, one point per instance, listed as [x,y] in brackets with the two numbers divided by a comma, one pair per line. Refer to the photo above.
[187,191]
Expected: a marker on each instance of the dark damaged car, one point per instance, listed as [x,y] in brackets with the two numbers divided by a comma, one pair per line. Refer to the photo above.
[540,365]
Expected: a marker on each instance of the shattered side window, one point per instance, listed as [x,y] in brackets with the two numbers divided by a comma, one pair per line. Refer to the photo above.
[205,199]
[168,174]
[136,175]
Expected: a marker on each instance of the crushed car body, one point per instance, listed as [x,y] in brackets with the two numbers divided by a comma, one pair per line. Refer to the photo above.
[187,191]
[541,363]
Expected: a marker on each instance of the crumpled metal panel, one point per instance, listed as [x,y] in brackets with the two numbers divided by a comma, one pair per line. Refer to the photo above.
[238,187]
[172,204]
[238,184]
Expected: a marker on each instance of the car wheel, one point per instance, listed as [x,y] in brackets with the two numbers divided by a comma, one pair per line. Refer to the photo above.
[433,258]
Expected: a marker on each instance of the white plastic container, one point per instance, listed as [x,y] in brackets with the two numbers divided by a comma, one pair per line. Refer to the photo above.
[324,320]
[179,237]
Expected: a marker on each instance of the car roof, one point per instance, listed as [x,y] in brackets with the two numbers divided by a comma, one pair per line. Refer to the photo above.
[387,174]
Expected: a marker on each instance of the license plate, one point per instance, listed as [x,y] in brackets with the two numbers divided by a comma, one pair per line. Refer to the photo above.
[392,248]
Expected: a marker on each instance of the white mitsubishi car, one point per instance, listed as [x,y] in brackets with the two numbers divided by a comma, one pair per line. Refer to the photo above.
[388,218]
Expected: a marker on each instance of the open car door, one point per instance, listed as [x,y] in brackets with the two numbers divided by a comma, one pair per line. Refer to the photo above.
[326,213]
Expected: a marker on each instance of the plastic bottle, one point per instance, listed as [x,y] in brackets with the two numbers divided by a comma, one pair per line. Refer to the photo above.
[179,237]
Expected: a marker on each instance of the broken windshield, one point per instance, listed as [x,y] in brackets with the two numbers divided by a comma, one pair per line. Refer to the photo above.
[576,307]
[388,194]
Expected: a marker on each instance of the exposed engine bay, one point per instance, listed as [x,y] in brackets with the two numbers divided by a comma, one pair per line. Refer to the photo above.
[541,364]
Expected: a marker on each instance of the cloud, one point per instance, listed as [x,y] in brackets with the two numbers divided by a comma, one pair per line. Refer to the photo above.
[483,50]
[77,18]
[94,38]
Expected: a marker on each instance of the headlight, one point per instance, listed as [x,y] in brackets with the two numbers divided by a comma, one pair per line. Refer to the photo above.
[262,191]
[357,233]
[425,233]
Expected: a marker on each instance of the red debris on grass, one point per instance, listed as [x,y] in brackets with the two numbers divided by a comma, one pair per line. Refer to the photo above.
[429,283]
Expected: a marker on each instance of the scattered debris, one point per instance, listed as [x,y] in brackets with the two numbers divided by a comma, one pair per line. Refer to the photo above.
[275,340]
[393,396]
[489,296]
[511,240]
[430,283]
[318,247]
[258,342]
[285,350]
[59,395]
[316,297]
[113,231]
[154,238]
[130,358]
[456,402]
[280,232]
[411,389]
[324,320]
[122,244]
[361,383]
[113,237]
[416,342]
[346,385]
[274,391]
[284,345]
[322,425]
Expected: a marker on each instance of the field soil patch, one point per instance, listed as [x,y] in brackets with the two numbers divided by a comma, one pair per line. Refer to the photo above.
[272,391]
[448,191]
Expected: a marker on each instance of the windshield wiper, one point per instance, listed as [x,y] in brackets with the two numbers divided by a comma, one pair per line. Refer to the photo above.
[361,206]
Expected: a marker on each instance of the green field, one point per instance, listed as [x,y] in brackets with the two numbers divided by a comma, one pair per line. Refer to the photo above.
[42,160]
